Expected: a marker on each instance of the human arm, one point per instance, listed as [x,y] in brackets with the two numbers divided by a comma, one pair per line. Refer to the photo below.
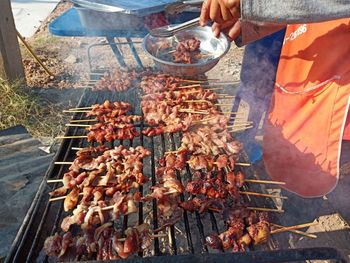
[258,18]
[293,11]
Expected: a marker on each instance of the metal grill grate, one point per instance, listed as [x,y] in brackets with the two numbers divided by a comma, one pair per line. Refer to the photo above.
[43,218]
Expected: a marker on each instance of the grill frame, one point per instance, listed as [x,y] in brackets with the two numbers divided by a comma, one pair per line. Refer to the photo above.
[28,243]
[27,246]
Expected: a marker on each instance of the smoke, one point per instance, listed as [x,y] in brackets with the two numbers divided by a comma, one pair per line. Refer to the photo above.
[258,74]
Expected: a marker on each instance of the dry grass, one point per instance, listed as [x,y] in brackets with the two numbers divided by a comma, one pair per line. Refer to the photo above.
[20,106]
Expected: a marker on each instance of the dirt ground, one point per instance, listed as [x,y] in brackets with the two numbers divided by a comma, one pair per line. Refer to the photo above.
[66,57]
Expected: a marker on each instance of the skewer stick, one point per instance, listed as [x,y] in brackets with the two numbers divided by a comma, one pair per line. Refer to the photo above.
[60,198]
[238,164]
[263,182]
[189,86]
[194,112]
[88,120]
[288,228]
[224,83]
[251,208]
[54,181]
[212,118]
[297,231]
[265,209]
[72,137]
[262,195]
[206,101]
[242,129]
[192,91]
[76,111]
[243,164]
[81,108]
[218,88]
[77,125]
[197,101]
[77,149]
[198,81]
[57,198]
[240,121]
[225,96]
[63,162]
[239,125]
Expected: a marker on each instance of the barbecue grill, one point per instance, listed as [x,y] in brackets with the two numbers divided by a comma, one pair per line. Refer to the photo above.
[185,241]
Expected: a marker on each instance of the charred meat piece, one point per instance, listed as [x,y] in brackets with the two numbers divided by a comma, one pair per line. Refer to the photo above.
[214,241]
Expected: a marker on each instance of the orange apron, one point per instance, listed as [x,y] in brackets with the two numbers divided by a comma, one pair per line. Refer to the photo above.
[308,113]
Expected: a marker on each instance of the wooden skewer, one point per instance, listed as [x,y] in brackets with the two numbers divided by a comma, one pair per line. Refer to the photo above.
[195,112]
[76,148]
[205,87]
[81,108]
[192,91]
[242,124]
[54,181]
[77,125]
[262,195]
[252,208]
[243,164]
[218,88]
[265,209]
[198,81]
[297,231]
[288,228]
[241,121]
[242,129]
[206,101]
[238,164]
[60,198]
[88,120]
[57,198]
[63,162]
[197,101]
[263,182]
[72,137]
[225,96]
[211,118]
[189,86]
[76,111]
[223,104]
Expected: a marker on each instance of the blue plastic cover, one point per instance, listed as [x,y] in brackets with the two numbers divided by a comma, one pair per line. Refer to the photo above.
[138,7]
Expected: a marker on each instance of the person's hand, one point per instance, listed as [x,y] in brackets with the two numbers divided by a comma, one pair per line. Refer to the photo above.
[231,29]
[219,11]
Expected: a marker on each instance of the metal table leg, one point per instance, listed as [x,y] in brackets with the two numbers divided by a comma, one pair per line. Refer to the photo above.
[116,51]
[134,52]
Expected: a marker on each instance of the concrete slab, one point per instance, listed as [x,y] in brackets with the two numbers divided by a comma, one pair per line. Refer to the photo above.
[29,14]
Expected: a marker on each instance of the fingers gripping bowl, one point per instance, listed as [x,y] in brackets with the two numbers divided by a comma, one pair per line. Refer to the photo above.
[211,48]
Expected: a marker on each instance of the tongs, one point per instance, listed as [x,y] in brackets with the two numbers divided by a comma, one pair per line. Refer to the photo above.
[168,31]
